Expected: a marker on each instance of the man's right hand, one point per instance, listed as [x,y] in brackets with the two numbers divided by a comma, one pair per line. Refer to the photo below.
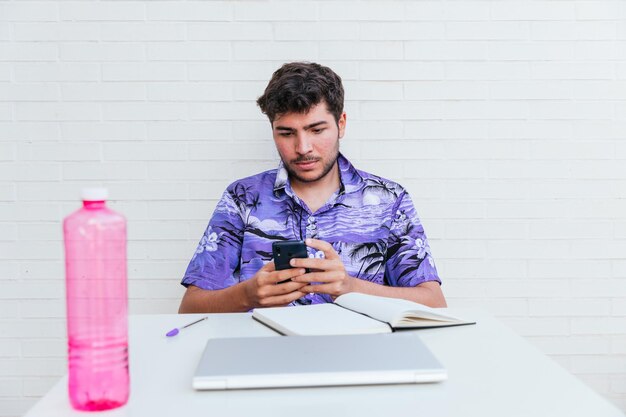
[263,290]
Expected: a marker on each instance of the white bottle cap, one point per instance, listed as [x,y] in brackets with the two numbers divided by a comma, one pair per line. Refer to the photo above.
[94,194]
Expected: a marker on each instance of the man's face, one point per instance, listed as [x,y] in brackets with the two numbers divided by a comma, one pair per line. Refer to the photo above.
[308,143]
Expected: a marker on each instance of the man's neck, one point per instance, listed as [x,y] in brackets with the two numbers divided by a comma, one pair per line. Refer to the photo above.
[316,193]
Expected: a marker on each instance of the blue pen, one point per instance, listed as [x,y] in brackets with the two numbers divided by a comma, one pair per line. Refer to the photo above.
[176,330]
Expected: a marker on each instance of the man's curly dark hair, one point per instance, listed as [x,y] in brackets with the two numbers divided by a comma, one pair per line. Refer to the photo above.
[298,86]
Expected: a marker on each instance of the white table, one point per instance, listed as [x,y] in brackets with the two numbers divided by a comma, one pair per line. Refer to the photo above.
[491,372]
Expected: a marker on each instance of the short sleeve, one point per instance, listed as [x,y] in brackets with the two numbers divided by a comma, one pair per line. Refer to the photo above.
[215,263]
[409,260]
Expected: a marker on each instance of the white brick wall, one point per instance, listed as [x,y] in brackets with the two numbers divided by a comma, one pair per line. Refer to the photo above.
[505,120]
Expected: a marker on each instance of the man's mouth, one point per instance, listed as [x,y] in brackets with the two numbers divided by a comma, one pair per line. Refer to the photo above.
[309,163]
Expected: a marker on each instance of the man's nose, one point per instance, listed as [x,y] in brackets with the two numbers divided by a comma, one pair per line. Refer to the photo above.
[304,144]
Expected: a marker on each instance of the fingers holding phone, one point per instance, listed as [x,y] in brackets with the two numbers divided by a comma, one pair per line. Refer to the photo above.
[262,289]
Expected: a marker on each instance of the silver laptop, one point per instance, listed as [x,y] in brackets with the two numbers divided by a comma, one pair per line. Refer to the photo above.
[264,362]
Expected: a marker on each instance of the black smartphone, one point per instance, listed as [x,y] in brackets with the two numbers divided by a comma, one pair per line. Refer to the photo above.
[285,250]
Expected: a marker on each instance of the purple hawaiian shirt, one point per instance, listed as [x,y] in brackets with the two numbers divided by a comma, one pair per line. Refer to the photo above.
[370,221]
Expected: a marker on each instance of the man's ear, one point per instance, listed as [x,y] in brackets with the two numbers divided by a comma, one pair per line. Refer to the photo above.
[341,124]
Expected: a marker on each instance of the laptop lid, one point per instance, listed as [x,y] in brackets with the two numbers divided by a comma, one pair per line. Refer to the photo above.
[273,362]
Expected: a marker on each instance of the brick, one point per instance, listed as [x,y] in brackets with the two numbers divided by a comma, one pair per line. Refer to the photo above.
[598,325]
[398,31]
[278,51]
[594,364]
[55,72]
[31,11]
[478,71]
[57,111]
[189,51]
[155,290]
[102,131]
[598,50]
[24,51]
[531,51]
[295,10]
[15,131]
[373,90]
[577,150]
[314,31]
[110,91]
[9,348]
[572,345]
[445,90]
[571,110]
[161,250]
[29,92]
[347,11]
[41,309]
[59,152]
[378,130]
[403,70]
[150,71]
[388,150]
[541,269]
[362,50]
[10,387]
[445,51]
[486,230]
[487,30]
[6,112]
[606,10]
[38,386]
[229,151]
[458,11]
[56,31]
[189,171]
[143,31]
[520,10]
[144,111]
[506,307]
[144,151]
[32,367]
[579,307]
[28,212]
[170,230]
[225,111]
[104,171]
[7,192]
[160,270]
[539,326]
[140,306]
[127,10]
[102,52]
[401,110]
[42,231]
[8,232]
[230,31]
[591,286]
[5,31]
[572,71]
[235,71]
[192,11]
[42,270]
[572,31]
[530,90]
[23,171]
[486,110]
[211,131]
[246,91]
[47,349]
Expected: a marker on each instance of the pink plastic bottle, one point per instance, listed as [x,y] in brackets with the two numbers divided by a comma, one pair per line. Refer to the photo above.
[97,305]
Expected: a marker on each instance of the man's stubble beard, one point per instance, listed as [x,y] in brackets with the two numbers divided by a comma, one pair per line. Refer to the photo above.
[327,167]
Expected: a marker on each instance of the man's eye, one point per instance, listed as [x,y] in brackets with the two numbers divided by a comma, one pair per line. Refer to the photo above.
[286,134]
[318,131]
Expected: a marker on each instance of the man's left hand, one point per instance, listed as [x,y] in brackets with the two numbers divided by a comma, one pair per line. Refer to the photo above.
[328,275]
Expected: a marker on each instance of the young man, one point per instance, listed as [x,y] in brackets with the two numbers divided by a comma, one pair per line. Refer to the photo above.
[362,231]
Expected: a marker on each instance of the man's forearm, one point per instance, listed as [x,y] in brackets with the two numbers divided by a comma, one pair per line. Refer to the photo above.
[227,300]
[428,293]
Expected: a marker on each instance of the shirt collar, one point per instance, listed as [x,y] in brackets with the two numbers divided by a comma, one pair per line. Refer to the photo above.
[350,179]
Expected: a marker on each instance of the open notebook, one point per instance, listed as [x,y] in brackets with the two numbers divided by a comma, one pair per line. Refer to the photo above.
[354,313]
